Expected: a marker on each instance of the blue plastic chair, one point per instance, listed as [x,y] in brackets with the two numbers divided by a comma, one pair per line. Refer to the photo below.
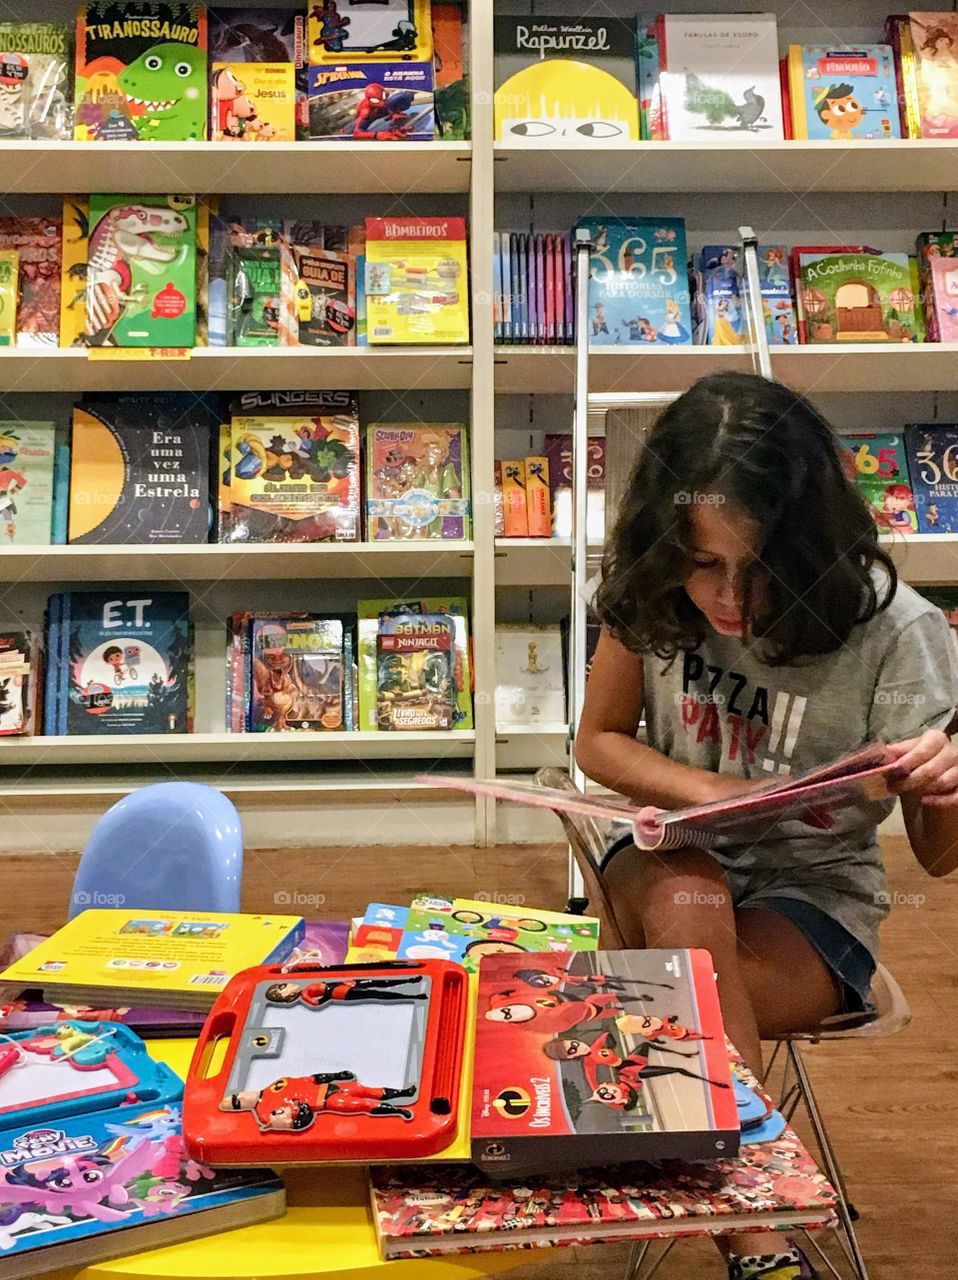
[170,846]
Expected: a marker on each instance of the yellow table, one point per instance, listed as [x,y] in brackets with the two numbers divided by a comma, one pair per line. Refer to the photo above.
[327,1232]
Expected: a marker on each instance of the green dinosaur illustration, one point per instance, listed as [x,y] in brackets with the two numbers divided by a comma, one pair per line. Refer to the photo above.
[168,83]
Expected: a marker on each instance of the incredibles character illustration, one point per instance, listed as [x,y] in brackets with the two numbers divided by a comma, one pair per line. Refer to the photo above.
[555,1012]
[553,979]
[341,990]
[654,1029]
[292,1104]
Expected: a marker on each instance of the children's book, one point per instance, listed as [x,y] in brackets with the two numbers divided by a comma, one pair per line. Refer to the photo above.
[648,70]
[93,1187]
[175,959]
[9,296]
[415,672]
[393,30]
[73,270]
[140,470]
[928,43]
[438,1209]
[35,80]
[26,483]
[324,297]
[564,79]
[450,43]
[416,280]
[812,798]
[140,72]
[558,450]
[297,678]
[374,614]
[18,683]
[248,254]
[778,308]
[252,102]
[141,274]
[38,243]
[938,275]
[296,478]
[118,663]
[459,929]
[876,464]
[722,275]
[720,76]
[61,492]
[530,680]
[933,466]
[417,481]
[638,283]
[373,102]
[596,1059]
[843,94]
[272,35]
[856,297]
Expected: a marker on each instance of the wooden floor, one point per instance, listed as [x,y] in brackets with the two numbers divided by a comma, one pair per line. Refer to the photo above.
[892,1106]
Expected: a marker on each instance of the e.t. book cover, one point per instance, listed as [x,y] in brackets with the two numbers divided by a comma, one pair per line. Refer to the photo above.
[599,1058]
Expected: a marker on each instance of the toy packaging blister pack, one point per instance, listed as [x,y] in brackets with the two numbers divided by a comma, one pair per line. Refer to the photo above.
[415,672]
[416,280]
[298,681]
[141,72]
[360,1063]
[417,481]
[35,76]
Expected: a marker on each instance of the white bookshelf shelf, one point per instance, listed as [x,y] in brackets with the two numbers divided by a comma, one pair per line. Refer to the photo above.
[219,168]
[241,748]
[853,366]
[747,164]
[241,369]
[544,730]
[255,562]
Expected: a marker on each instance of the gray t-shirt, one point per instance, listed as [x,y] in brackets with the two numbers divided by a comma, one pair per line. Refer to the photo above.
[721,708]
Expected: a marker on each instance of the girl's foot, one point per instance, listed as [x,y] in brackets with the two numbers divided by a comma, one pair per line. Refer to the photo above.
[790,1265]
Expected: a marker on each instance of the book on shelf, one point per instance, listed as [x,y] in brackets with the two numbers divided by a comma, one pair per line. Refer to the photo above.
[564,78]
[938,277]
[390,30]
[638,282]
[268,34]
[377,615]
[464,930]
[876,463]
[9,296]
[373,101]
[299,679]
[140,469]
[450,64]
[118,663]
[295,467]
[719,76]
[172,959]
[854,296]
[307,654]
[549,1096]
[417,481]
[245,290]
[37,241]
[843,93]
[26,483]
[530,675]
[415,672]
[35,73]
[723,291]
[73,270]
[252,102]
[416,280]
[647,70]
[137,1190]
[926,48]
[932,449]
[324,297]
[141,272]
[812,798]
[19,682]
[558,449]
[141,72]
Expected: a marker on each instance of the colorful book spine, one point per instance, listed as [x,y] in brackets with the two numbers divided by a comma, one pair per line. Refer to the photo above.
[933,467]
[514,504]
[538,499]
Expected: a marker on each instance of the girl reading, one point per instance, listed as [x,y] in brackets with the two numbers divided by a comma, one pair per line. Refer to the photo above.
[752,618]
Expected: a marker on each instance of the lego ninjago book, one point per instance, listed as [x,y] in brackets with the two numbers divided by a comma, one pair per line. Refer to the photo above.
[595,1058]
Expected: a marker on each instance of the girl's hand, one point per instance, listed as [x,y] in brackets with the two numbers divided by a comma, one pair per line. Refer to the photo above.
[932,764]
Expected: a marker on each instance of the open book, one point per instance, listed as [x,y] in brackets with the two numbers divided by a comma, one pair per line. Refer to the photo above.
[814,799]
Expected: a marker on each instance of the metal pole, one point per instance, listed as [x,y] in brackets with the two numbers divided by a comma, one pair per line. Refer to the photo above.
[579,606]
[761,355]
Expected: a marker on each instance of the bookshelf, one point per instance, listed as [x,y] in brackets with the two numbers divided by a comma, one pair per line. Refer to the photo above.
[880,193]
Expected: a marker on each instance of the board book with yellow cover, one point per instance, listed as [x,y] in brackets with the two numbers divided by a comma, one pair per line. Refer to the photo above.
[177,959]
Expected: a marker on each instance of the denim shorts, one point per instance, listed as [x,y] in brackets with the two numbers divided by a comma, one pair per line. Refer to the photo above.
[851,962]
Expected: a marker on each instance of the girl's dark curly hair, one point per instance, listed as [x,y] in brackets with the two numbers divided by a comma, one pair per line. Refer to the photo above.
[773,458]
